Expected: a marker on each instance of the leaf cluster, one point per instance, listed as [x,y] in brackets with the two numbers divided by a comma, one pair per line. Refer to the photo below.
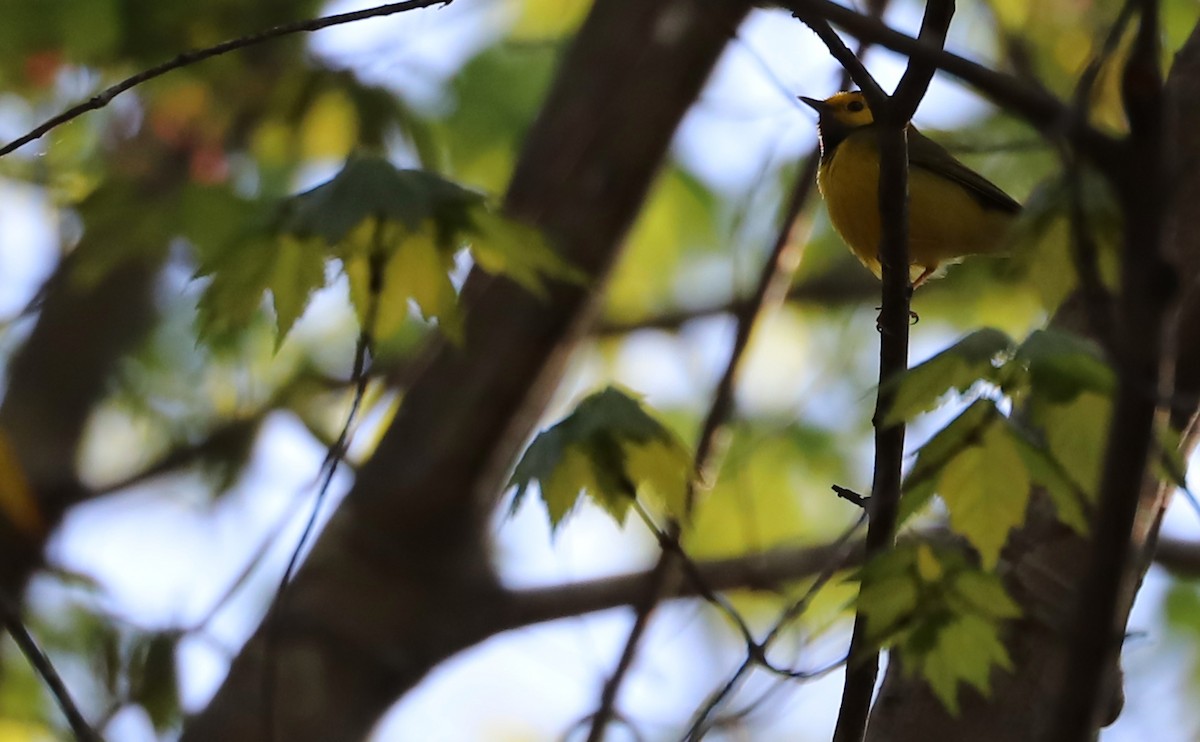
[611,450]
[395,232]
[983,463]
[943,614]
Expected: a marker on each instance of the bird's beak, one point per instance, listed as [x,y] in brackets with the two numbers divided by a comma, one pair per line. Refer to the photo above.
[817,105]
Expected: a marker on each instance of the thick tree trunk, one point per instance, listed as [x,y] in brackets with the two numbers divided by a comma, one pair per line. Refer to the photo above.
[400,579]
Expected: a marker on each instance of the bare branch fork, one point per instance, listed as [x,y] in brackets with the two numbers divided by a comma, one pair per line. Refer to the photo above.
[776,273]
[104,97]
[892,113]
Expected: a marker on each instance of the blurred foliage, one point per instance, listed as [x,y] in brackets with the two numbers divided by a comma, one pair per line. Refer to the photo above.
[610,449]
[982,463]
[943,615]
[249,171]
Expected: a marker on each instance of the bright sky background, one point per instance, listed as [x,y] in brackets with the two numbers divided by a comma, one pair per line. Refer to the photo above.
[166,556]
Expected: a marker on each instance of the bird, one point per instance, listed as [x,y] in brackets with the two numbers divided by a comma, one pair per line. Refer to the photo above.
[953,211]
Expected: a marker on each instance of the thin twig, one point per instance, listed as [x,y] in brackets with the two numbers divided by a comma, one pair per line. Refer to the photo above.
[41,664]
[757,651]
[700,720]
[837,287]
[329,466]
[1037,106]
[608,696]
[777,270]
[842,549]
[103,98]
[892,115]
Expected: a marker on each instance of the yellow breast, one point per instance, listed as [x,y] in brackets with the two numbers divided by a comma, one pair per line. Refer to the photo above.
[945,221]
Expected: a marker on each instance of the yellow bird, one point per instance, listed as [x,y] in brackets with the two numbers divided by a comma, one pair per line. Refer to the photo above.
[953,211]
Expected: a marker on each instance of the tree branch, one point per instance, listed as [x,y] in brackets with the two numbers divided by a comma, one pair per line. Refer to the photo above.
[837,287]
[1147,288]
[10,616]
[400,579]
[892,115]
[1041,109]
[103,98]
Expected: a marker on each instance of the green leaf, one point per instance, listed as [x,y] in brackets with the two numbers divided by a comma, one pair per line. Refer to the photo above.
[419,271]
[929,568]
[887,603]
[1075,433]
[1067,495]
[985,594]
[940,612]
[1063,365]
[613,450]
[291,269]
[663,469]
[572,475]
[370,188]
[1181,606]
[963,431]
[538,463]
[298,270]
[507,247]
[964,650]
[958,367]
[155,682]
[986,489]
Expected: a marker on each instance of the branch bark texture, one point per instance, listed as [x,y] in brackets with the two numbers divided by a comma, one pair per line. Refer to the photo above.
[400,579]
[1045,562]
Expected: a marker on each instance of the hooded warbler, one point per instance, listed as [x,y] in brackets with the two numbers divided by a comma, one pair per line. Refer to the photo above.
[953,211]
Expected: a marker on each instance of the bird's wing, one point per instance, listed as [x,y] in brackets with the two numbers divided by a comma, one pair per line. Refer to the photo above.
[928,155]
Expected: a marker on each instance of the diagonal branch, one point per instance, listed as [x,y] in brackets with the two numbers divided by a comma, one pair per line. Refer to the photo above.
[776,273]
[10,618]
[892,115]
[104,97]
[1037,106]
[400,578]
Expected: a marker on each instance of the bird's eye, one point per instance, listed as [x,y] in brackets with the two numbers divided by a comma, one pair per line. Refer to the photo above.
[854,106]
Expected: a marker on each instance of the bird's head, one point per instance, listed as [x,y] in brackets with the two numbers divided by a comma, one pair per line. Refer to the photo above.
[839,115]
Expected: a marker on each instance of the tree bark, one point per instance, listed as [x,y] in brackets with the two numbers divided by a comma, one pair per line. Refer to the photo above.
[1045,561]
[400,579]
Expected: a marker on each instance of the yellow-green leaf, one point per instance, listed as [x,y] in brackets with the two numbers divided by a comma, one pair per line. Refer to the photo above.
[928,567]
[887,603]
[571,476]
[663,468]
[298,270]
[507,247]
[1075,433]
[985,594]
[613,449]
[986,489]
[958,367]
[964,650]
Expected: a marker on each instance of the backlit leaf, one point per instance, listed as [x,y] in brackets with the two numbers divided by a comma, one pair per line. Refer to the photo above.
[507,247]
[986,489]
[1062,365]
[1075,433]
[963,431]
[610,448]
[956,368]
[370,188]
[965,649]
